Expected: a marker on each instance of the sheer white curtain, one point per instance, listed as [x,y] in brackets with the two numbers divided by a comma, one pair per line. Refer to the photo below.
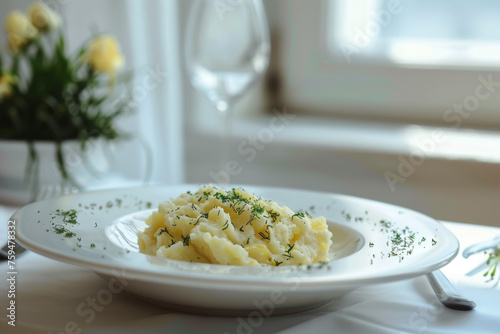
[154,30]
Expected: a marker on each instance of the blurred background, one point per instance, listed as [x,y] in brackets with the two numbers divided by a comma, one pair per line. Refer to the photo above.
[397,101]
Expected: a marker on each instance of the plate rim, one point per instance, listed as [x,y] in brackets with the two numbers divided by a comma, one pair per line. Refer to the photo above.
[310,282]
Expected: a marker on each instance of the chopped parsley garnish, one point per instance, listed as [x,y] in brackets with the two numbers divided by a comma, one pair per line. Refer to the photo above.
[396,238]
[221,197]
[386,224]
[69,216]
[287,254]
[264,236]
[238,203]
[203,215]
[401,241]
[185,239]
[257,209]
[347,216]
[59,229]
[231,196]
[274,215]
[164,230]
[298,214]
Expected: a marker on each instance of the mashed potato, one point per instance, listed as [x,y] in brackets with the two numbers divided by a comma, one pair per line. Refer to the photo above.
[234,228]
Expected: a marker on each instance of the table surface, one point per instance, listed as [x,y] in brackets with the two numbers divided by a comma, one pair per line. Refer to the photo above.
[49,294]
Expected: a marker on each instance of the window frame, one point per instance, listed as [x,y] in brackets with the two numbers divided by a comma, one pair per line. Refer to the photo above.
[328,85]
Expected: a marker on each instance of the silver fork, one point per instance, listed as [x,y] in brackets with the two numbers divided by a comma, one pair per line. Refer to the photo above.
[4,251]
[447,294]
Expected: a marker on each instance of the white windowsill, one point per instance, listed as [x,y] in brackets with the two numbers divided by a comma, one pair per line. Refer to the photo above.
[357,136]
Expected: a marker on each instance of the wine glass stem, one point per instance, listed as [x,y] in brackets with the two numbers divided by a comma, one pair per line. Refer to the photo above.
[225,112]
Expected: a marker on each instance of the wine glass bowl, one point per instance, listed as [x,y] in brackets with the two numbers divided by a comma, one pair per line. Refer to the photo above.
[227,48]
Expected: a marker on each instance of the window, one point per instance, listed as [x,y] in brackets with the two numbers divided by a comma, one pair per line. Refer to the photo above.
[425,32]
[426,57]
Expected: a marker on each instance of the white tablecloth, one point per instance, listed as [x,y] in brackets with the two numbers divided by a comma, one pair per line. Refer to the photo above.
[48,294]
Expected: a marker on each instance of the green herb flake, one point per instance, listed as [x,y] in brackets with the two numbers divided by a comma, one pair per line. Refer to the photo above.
[164,230]
[274,215]
[68,216]
[287,254]
[185,239]
[264,236]
[277,263]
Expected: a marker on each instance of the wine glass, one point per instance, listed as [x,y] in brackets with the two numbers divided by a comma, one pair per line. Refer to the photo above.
[227,48]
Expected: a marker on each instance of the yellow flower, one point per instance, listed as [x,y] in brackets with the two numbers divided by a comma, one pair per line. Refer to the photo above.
[43,17]
[6,80]
[104,55]
[19,30]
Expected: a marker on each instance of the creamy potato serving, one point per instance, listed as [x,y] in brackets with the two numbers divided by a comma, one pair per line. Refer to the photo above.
[234,228]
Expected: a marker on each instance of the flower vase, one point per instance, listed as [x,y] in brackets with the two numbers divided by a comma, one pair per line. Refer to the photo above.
[41,171]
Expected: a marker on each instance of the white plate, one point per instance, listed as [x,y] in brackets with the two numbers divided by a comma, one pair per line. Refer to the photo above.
[373,243]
